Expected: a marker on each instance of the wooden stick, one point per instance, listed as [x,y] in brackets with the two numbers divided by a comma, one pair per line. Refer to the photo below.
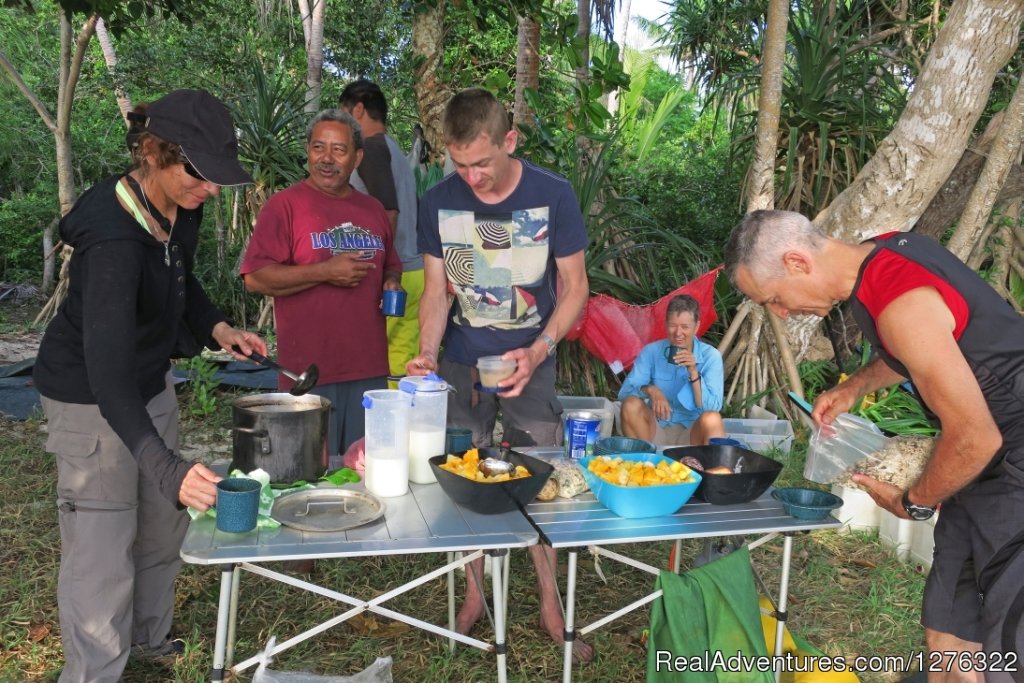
[730,334]
[786,355]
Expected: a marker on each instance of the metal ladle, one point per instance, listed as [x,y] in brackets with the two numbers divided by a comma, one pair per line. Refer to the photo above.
[302,383]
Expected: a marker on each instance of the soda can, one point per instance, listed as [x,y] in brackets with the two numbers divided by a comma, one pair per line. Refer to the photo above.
[582,429]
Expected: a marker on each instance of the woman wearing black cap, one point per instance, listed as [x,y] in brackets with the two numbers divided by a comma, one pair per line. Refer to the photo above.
[104,373]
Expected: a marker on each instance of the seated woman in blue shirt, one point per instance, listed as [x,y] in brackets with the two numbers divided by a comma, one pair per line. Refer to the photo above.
[675,390]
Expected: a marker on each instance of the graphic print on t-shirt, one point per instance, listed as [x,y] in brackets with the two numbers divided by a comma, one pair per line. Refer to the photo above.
[347,237]
[492,261]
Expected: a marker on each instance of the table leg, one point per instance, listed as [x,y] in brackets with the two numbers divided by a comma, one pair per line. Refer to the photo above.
[223,609]
[570,615]
[677,556]
[505,566]
[499,612]
[229,653]
[451,601]
[780,624]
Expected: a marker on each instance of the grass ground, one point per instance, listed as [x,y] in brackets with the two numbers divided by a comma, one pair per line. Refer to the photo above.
[847,594]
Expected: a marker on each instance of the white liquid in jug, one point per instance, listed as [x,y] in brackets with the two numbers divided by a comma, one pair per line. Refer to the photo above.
[423,445]
[387,477]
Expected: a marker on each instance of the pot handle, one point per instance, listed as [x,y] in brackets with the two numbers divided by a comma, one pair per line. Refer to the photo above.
[260,434]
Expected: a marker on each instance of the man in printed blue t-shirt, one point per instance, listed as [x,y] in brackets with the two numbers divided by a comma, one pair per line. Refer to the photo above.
[675,389]
[495,236]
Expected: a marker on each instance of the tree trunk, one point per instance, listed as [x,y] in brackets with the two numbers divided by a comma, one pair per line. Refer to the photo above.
[621,29]
[124,103]
[583,36]
[527,69]
[761,184]
[911,164]
[763,364]
[1002,156]
[951,200]
[313,33]
[48,255]
[432,92]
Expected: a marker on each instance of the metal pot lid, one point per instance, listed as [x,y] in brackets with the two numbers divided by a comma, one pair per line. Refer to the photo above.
[422,384]
[327,509]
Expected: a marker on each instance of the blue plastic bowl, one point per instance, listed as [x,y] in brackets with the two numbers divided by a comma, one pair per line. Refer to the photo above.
[635,502]
[614,445]
[807,504]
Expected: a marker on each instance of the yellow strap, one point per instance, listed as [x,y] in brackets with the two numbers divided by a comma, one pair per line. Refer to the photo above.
[130,203]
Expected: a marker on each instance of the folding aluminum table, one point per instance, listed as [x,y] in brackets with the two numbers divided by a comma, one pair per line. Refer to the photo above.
[425,520]
[583,522]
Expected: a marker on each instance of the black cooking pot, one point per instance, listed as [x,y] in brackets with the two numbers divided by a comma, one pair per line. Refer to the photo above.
[284,435]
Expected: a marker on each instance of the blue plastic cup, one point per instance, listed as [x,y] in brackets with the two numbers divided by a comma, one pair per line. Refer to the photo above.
[670,353]
[393,303]
[238,503]
[458,440]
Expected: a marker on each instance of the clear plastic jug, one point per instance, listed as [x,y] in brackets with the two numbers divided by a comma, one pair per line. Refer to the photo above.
[428,415]
[387,442]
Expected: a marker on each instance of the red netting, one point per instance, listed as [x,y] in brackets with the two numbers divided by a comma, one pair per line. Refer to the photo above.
[615,331]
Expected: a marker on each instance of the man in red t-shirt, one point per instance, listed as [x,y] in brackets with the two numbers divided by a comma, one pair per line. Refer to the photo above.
[325,252]
[932,320]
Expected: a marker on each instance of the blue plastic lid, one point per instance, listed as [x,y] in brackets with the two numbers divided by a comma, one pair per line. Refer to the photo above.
[422,384]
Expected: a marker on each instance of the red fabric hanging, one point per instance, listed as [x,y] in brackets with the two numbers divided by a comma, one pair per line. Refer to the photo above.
[615,331]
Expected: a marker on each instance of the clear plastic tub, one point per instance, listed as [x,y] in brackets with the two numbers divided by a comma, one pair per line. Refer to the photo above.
[493,369]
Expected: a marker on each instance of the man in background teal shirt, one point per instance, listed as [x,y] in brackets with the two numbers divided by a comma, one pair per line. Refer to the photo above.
[675,390]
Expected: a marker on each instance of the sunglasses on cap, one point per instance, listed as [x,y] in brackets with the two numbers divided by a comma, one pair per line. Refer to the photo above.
[189,168]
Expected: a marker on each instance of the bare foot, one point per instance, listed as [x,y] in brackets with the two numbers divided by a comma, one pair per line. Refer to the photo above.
[552,622]
[469,614]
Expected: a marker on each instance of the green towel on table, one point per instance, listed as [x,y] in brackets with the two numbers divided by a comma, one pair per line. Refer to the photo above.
[708,611]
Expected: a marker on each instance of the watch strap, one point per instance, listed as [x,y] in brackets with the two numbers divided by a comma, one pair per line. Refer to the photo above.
[917,512]
[549,342]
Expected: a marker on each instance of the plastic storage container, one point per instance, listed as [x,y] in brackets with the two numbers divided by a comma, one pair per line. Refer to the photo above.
[601,406]
[896,533]
[387,442]
[428,414]
[922,542]
[859,511]
[761,435]
[493,369]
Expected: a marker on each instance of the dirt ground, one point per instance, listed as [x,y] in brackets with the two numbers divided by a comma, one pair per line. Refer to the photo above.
[18,337]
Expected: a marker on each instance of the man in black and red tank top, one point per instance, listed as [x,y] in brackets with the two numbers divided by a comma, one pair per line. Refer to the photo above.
[934,321]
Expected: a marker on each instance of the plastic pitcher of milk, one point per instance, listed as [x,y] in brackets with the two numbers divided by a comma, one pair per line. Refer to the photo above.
[428,415]
[387,442]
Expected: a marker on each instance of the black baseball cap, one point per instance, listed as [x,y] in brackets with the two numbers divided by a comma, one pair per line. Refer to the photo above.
[200,124]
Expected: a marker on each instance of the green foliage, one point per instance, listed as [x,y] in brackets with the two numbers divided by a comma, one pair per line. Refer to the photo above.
[897,411]
[271,122]
[816,376]
[22,220]
[202,398]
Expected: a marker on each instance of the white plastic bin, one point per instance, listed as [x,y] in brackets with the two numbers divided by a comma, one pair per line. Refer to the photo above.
[896,533]
[859,511]
[761,435]
[601,406]
[922,544]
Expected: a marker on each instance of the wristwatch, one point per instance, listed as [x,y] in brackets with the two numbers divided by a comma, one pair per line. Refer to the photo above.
[549,342]
[918,513]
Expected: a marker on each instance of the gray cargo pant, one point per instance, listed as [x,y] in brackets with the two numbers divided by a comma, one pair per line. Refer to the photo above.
[120,541]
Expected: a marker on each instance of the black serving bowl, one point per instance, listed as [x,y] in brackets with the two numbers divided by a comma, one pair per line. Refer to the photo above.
[756,473]
[497,497]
